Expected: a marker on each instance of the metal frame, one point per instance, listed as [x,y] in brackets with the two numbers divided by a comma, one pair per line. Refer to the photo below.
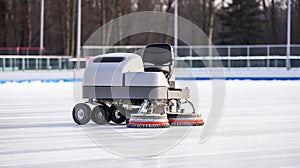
[273,55]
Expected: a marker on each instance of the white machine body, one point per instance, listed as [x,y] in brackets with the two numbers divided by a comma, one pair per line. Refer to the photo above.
[120,69]
[122,76]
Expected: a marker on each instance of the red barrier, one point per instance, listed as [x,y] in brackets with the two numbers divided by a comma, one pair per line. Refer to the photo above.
[18,49]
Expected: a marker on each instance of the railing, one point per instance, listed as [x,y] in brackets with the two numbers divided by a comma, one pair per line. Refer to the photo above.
[230,56]
[35,62]
[192,56]
[239,61]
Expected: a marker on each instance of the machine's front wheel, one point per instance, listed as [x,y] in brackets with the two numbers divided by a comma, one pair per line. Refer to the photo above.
[101,115]
[81,114]
[118,114]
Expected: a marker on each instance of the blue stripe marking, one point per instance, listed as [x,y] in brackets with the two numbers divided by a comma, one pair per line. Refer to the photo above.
[177,78]
[43,80]
[239,78]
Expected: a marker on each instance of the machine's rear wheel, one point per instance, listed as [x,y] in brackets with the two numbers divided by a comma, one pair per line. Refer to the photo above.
[108,117]
[81,114]
[117,114]
[101,115]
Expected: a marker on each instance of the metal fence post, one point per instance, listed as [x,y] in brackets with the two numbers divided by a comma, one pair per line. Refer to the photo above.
[23,63]
[40,63]
[59,63]
[27,60]
[228,55]
[3,64]
[27,63]
[248,57]
[14,63]
[191,54]
[175,56]
[210,56]
[268,54]
[48,63]
[36,64]
[11,62]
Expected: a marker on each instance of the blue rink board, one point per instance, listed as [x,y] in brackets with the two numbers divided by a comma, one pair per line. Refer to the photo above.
[177,78]
[239,78]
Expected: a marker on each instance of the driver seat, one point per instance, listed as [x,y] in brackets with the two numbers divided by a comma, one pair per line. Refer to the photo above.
[159,58]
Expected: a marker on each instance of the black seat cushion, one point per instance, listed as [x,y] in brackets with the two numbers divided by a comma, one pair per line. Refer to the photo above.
[163,69]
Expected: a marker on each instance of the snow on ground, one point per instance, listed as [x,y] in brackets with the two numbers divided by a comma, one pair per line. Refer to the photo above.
[259,128]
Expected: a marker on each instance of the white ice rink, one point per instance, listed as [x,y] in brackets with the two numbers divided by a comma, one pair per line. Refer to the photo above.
[260,127]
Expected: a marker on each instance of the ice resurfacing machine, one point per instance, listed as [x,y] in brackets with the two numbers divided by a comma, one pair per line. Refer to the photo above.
[137,89]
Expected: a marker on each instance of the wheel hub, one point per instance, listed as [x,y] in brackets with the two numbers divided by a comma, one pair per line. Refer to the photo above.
[117,114]
[98,115]
[80,114]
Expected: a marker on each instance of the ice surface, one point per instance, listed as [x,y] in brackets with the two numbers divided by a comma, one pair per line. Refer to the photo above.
[259,128]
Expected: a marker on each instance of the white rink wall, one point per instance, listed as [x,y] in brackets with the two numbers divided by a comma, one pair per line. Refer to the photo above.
[241,73]
[180,73]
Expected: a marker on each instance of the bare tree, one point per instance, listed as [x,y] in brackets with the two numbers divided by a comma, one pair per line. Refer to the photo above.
[3,20]
[211,20]
[103,9]
[68,27]
[273,21]
[120,21]
[266,16]
[29,26]
[204,16]
[73,28]
[113,13]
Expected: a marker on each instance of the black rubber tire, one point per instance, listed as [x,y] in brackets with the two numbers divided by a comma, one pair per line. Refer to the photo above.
[85,113]
[100,115]
[108,117]
[118,115]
